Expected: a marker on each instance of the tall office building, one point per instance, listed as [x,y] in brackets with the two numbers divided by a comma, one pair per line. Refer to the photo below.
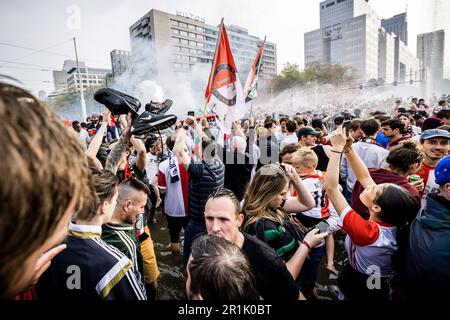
[60,77]
[348,36]
[183,41]
[90,77]
[386,57]
[351,35]
[397,25]
[120,61]
[430,50]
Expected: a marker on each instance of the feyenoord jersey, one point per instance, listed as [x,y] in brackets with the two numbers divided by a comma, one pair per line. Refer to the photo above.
[430,185]
[323,209]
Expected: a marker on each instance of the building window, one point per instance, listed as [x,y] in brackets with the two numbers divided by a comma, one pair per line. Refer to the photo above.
[192,35]
[200,29]
[183,33]
[330,4]
[175,31]
[191,27]
[184,41]
[182,25]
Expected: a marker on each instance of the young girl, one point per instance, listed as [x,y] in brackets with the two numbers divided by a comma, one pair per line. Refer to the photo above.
[372,245]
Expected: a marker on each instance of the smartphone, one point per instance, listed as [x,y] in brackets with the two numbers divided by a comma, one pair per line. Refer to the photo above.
[346,126]
[323,226]
[191,113]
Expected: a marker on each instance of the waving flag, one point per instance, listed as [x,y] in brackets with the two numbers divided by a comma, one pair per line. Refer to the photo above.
[224,93]
[252,79]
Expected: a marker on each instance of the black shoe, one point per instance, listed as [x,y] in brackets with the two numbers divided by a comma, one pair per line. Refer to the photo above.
[149,122]
[158,107]
[117,102]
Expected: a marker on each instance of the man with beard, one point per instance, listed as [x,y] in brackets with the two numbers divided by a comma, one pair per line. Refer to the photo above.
[120,232]
[436,145]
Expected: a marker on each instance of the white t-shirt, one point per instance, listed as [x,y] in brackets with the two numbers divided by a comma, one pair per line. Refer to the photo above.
[288,140]
[151,167]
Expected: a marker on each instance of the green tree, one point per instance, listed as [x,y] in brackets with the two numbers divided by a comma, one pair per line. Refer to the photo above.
[289,77]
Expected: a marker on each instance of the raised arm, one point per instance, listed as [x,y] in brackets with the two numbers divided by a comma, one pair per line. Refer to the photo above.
[179,151]
[358,166]
[304,200]
[96,142]
[238,131]
[112,162]
[339,142]
[141,154]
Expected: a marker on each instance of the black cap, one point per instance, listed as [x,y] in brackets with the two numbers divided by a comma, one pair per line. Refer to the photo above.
[339,120]
[306,131]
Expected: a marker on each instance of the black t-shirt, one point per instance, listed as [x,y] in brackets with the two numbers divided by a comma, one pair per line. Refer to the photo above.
[238,171]
[273,280]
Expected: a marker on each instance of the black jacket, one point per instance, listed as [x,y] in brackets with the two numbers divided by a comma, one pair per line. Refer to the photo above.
[204,178]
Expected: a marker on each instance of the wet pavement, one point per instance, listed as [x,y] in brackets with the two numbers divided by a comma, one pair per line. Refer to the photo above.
[173,275]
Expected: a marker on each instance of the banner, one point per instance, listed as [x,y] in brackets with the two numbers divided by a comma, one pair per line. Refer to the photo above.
[224,95]
[252,79]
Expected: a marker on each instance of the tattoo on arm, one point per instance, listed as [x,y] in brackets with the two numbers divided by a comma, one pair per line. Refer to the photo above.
[112,162]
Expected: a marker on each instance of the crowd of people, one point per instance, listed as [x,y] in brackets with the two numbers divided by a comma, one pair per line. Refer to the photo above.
[253,213]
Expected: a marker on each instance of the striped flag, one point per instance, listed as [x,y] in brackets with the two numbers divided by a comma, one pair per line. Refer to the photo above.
[252,79]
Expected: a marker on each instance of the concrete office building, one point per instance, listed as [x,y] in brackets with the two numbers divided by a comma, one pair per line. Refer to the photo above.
[348,35]
[182,41]
[407,66]
[60,77]
[351,35]
[90,77]
[386,57]
[430,50]
[120,61]
[397,25]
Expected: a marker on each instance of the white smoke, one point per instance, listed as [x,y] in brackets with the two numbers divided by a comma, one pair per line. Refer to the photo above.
[144,81]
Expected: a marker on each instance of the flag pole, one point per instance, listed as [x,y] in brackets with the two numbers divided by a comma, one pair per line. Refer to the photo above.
[215,58]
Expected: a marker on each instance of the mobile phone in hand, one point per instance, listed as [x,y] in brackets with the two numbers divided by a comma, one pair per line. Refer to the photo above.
[346,126]
[323,226]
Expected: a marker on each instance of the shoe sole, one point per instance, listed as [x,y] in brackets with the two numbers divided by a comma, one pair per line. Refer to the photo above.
[156,123]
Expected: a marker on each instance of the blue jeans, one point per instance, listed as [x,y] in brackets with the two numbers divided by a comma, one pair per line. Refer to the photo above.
[308,274]
[193,229]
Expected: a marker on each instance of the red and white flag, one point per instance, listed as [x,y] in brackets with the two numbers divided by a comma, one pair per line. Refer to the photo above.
[224,94]
[252,79]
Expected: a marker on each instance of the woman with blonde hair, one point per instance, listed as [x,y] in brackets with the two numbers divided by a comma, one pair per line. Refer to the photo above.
[265,208]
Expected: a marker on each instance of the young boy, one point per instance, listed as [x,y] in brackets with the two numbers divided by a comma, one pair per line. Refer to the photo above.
[305,162]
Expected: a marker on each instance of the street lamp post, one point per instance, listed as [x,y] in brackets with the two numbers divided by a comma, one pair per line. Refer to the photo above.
[83,103]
